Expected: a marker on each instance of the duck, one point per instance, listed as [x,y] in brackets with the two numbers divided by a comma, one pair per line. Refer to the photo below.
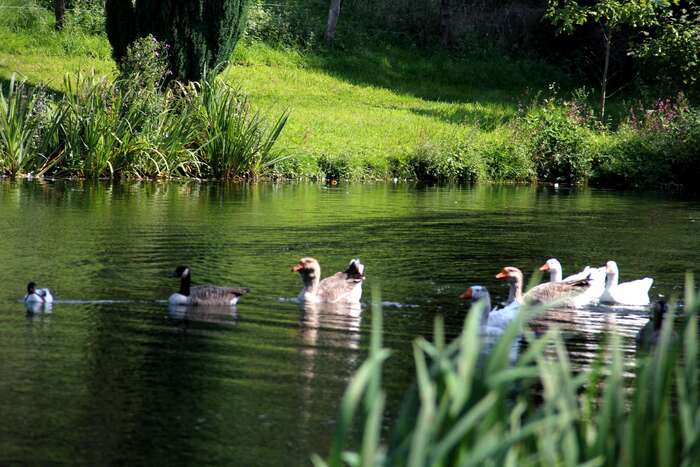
[571,294]
[35,295]
[203,294]
[633,293]
[553,266]
[341,287]
[493,321]
[650,334]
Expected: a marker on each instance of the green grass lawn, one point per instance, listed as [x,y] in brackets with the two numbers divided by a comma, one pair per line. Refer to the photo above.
[365,104]
[383,102]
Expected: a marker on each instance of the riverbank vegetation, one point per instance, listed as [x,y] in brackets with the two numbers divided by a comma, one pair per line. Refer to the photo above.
[380,103]
[521,403]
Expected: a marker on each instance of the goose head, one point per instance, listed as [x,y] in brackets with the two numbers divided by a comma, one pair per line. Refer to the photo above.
[309,270]
[31,288]
[478,294]
[355,269]
[181,272]
[514,277]
[510,274]
[554,267]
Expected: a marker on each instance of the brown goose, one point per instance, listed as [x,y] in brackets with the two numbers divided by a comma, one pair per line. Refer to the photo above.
[341,287]
[572,293]
[203,294]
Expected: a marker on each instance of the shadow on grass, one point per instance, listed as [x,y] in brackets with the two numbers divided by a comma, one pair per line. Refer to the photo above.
[494,79]
[29,86]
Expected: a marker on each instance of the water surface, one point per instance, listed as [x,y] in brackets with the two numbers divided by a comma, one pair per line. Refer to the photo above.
[115,377]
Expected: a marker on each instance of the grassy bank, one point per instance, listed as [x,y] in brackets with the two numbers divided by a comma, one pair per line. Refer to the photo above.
[382,111]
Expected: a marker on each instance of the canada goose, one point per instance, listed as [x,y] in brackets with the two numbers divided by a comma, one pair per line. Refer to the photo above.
[633,293]
[203,294]
[341,287]
[35,295]
[571,294]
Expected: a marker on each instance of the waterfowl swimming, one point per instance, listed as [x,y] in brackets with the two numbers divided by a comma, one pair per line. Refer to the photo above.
[492,321]
[35,295]
[633,293]
[341,287]
[650,334]
[569,294]
[203,294]
[553,266]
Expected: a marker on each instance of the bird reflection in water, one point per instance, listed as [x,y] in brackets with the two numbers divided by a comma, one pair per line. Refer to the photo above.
[214,314]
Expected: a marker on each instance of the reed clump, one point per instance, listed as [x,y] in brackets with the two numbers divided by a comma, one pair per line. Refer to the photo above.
[467,409]
[101,128]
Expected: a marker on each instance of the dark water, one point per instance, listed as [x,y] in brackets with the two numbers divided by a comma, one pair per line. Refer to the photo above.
[130,382]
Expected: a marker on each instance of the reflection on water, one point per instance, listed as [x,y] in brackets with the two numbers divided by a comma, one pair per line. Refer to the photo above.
[123,379]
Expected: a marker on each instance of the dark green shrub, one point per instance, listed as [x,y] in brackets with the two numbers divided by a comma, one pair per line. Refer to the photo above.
[508,161]
[437,162]
[557,144]
[201,33]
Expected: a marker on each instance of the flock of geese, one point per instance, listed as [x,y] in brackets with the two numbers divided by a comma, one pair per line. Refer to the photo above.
[588,287]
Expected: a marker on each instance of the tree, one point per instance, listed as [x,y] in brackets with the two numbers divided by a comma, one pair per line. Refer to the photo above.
[610,15]
[59,9]
[201,34]
[333,14]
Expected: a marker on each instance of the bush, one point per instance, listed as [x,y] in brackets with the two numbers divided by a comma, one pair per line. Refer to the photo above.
[557,142]
[442,162]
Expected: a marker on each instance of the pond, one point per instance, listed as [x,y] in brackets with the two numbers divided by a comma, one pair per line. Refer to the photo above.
[112,376]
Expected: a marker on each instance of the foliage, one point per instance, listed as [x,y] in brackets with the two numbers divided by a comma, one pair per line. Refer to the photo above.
[557,141]
[17,129]
[201,34]
[673,51]
[237,140]
[467,409]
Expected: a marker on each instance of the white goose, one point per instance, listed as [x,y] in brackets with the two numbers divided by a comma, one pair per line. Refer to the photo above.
[341,287]
[493,321]
[633,293]
[553,266]
[35,295]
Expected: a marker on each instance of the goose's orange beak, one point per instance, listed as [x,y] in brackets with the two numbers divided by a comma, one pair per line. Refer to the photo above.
[544,267]
[298,267]
[467,295]
[502,275]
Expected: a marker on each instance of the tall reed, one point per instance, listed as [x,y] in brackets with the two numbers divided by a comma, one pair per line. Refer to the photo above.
[18,129]
[534,411]
[236,139]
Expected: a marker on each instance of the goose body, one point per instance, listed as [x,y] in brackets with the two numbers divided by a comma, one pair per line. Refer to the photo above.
[341,287]
[633,293]
[493,321]
[570,294]
[202,295]
[35,295]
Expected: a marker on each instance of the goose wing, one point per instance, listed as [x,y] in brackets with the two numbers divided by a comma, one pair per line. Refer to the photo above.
[551,291]
[215,295]
[341,286]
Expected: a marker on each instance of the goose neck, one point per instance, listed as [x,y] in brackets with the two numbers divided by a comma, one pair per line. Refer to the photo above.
[185,282]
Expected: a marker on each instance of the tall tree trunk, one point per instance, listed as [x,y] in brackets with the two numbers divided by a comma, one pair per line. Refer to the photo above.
[59,9]
[445,16]
[333,13]
[607,36]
